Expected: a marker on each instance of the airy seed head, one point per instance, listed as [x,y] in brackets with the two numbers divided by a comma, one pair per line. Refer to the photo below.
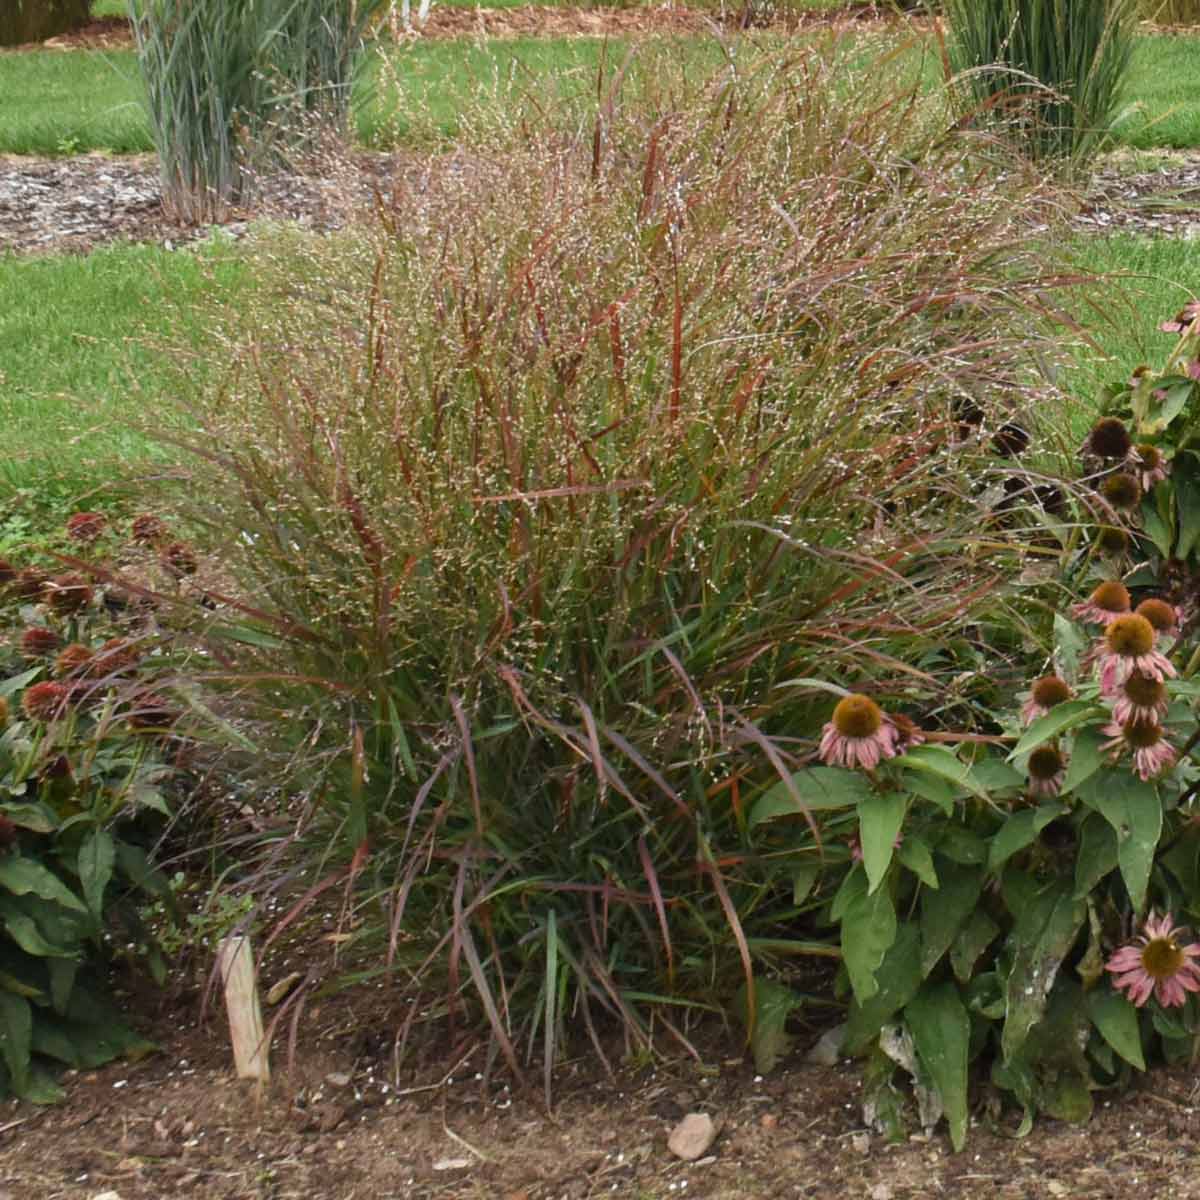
[1045,762]
[1130,636]
[857,716]
[1121,490]
[1111,596]
[1141,735]
[1159,613]
[1109,438]
[1050,690]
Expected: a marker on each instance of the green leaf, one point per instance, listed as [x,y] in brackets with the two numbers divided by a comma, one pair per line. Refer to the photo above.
[803,879]
[773,1002]
[1018,831]
[1132,807]
[899,976]
[943,764]
[15,683]
[24,931]
[1167,409]
[995,775]
[915,855]
[880,817]
[1097,854]
[40,818]
[23,876]
[930,787]
[1156,529]
[1188,495]
[16,1032]
[1057,721]
[10,983]
[96,858]
[1117,1021]
[1070,642]
[942,914]
[1039,954]
[973,939]
[961,845]
[868,931]
[1086,759]
[817,787]
[941,1033]
[62,981]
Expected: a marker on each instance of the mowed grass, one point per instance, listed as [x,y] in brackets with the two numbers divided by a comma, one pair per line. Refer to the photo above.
[77,373]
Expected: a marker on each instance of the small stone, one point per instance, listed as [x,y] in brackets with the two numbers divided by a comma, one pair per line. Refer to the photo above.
[1055,1188]
[451,1164]
[861,1143]
[769,1121]
[692,1137]
[337,1079]
[828,1049]
[881,1191]
[107,1196]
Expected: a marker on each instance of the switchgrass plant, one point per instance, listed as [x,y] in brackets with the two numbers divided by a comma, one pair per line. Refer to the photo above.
[232,88]
[548,500]
[1170,12]
[1052,69]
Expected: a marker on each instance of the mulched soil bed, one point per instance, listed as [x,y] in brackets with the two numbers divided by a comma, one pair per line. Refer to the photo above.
[341,1125]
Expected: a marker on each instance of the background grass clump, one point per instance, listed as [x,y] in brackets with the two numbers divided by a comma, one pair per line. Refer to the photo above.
[550,498]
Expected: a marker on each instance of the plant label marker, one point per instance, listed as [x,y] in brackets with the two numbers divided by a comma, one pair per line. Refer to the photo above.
[235,962]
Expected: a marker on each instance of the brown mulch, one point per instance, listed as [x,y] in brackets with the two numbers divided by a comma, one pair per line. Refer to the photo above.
[343,1122]
[105,33]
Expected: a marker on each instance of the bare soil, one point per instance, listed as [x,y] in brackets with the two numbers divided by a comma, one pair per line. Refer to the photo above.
[342,1124]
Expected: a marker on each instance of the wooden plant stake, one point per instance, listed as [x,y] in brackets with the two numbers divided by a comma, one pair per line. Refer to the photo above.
[235,962]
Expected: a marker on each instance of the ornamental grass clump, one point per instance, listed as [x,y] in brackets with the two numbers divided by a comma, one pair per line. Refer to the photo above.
[1050,72]
[547,497]
[234,88]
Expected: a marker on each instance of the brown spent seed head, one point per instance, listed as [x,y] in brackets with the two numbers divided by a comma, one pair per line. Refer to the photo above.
[1141,735]
[29,583]
[1149,455]
[147,529]
[86,527]
[45,701]
[1112,597]
[68,594]
[1010,441]
[1045,762]
[1112,541]
[1121,490]
[73,658]
[1129,636]
[1050,690]
[151,711]
[38,641]
[1159,613]
[1109,438]
[1144,691]
[857,716]
[179,559]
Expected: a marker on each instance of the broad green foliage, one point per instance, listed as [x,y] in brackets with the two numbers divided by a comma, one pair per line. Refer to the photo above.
[83,784]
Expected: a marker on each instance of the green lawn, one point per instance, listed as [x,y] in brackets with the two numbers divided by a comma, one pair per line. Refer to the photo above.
[75,370]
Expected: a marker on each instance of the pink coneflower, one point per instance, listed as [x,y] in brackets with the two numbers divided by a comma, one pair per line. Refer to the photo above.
[1149,464]
[1128,648]
[1183,319]
[1140,701]
[1107,601]
[859,735]
[1152,753]
[1043,696]
[1046,768]
[1156,963]
[86,527]
[1108,439]
[1165,617]
[72,659]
